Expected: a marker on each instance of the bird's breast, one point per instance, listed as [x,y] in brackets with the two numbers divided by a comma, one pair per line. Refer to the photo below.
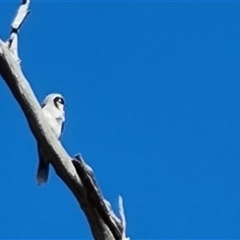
[54,123]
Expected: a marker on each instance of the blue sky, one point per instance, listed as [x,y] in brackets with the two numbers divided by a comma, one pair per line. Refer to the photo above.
[153,105]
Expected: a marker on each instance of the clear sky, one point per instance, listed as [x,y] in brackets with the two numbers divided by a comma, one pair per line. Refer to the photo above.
[153,104]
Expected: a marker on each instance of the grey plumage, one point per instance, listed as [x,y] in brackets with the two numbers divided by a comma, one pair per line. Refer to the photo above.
[53,111]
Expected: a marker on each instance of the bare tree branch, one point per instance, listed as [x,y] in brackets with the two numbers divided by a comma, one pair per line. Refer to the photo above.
[96,199]
[76,174]
[21,15]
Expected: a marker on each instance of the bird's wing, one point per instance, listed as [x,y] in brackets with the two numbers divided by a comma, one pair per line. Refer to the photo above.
[62,129]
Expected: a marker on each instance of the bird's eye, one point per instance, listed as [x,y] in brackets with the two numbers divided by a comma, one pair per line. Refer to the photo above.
[61,100]
[58,100]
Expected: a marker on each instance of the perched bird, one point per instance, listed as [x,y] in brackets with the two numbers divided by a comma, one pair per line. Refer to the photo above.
[53,111]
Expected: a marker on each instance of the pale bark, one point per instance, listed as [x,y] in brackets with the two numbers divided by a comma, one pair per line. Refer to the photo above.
[74,172]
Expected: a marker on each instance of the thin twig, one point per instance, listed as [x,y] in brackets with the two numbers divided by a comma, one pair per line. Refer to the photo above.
[123,219]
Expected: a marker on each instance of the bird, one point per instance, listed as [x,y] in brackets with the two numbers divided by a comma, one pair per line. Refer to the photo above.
[54,113]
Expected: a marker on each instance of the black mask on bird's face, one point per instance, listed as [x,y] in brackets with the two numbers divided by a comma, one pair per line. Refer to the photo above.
[59,102]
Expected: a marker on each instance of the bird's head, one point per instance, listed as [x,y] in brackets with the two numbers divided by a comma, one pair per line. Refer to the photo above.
[55,100]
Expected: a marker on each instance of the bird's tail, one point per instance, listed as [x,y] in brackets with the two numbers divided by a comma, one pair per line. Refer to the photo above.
[42,173]
[43,170]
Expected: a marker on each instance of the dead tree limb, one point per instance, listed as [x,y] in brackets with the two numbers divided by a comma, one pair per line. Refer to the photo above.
[74,172]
